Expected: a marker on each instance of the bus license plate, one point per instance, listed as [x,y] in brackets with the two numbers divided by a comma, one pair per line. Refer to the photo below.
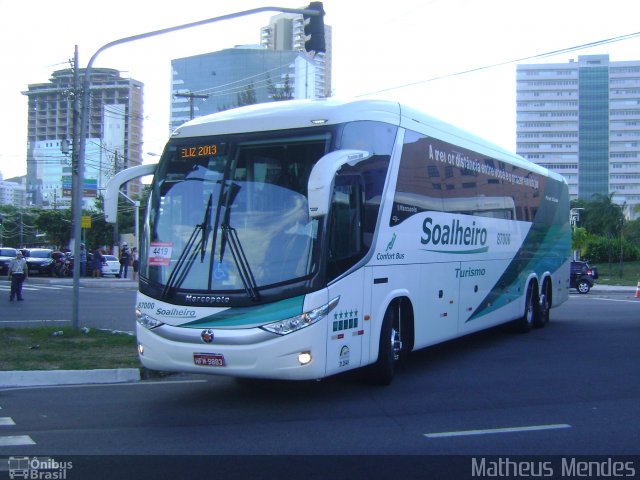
[209,359]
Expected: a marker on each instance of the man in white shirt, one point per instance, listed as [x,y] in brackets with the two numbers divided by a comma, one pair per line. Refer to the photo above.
[18,272]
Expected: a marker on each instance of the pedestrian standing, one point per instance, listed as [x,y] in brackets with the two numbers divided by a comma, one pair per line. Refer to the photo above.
[97,263]
[83,260]
[135,263]
[18,272]
[124,261]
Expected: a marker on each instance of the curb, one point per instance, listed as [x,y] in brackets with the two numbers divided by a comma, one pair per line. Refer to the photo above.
[33,378]
[613,288]
[86,282]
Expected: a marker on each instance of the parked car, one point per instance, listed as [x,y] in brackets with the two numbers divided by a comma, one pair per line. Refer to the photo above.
[582,276]
[6,254]
[39,260]
[110,266]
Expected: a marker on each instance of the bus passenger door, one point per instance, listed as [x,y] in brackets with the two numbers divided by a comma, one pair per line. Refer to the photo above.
[346,247]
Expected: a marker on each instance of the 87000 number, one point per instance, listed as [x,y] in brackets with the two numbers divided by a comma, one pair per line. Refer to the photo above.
[504,239]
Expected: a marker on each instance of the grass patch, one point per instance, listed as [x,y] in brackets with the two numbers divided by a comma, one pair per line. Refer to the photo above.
[609,273]
[40,349]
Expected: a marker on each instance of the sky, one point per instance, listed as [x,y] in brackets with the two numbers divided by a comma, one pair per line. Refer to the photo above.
[413,51]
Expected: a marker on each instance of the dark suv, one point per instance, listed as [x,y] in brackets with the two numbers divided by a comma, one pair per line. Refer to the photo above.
[582,276]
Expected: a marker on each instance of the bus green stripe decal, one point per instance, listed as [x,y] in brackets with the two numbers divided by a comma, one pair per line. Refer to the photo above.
[534,254]
[246,316]
[458,252]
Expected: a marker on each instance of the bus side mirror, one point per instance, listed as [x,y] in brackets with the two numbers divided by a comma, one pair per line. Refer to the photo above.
[322,175]
[113,187]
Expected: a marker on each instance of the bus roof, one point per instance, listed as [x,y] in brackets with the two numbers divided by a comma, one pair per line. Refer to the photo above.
[330,111]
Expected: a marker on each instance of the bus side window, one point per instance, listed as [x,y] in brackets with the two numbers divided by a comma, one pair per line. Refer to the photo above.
[346,245]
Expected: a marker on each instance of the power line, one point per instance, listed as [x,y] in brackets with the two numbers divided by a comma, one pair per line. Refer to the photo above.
[532,57]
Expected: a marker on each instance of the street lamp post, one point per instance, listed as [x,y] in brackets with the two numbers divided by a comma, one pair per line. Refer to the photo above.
[78,171]
[136,227]
[574,220]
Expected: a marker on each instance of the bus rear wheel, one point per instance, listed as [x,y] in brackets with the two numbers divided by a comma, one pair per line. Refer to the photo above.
[531,311]
[544,305]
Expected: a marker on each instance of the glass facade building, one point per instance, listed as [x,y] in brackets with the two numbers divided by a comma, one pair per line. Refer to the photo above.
[593,131]
[212,82]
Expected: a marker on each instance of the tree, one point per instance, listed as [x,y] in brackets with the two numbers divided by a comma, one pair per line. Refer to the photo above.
[280,93]
[600,216]
[631,231]
[247,96]
[101,232]
[579,239]
[56,224]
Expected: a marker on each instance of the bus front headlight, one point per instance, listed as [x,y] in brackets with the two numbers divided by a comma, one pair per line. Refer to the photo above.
[284,327]
[147,321]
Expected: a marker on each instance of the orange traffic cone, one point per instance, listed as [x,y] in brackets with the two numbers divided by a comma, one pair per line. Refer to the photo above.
[638,290]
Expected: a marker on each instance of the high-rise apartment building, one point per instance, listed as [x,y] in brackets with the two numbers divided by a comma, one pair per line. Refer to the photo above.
[13,192]
[286,32]
[582,120]
[114,139]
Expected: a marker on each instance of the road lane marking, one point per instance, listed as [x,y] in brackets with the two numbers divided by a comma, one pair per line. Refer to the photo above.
[489,431]
[6,421]
[16,440]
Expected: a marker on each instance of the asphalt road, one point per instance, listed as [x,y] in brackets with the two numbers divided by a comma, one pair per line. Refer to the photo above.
[572,388]
[103,303]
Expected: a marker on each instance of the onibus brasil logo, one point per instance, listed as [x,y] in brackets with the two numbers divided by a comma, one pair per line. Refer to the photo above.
[38,468]
[456,237]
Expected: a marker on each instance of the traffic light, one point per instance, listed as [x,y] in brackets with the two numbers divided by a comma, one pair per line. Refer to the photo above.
[314,29]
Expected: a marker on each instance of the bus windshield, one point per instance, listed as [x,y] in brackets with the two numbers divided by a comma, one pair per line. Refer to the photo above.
[230,214]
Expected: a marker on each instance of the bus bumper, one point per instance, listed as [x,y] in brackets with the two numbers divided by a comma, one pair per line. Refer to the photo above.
[179,349]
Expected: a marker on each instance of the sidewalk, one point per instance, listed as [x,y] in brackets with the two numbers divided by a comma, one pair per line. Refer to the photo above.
[86,281]
[613,288]
[37,378]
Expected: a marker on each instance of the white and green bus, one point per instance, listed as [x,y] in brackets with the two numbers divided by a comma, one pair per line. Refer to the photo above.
[302,239]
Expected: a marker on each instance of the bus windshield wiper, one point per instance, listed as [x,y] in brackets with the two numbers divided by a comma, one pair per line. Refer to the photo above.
[206,228]
[230,237]
[188,255]
[244,269]
[232,191]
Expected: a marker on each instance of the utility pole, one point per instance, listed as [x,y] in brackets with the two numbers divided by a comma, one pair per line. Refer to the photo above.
[77,172]
[191,96]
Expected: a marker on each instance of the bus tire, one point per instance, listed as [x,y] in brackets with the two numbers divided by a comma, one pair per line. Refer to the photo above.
[525,323]
[383,370]
[544,305]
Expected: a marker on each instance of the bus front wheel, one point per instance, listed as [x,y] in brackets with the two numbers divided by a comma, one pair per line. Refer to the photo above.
[390,348]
